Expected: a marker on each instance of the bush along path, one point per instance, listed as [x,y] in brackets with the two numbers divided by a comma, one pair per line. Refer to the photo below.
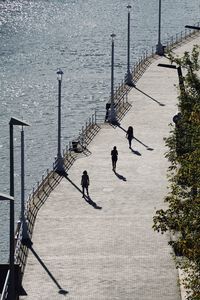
[181,217]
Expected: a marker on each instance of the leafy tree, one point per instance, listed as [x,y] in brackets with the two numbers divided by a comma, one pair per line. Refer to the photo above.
[182,215]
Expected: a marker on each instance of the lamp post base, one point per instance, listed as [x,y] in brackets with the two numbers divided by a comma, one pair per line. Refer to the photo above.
[25,234]
[129,79]
[27,242]
[60,166]
[112,119]
[160,49]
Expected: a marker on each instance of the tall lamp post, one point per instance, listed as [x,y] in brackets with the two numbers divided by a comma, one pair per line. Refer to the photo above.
[13,122]
[177,117]
[159,46]
[4,197]
[25,235]
[180,75]
[112,116]
[60,161]
[128,75]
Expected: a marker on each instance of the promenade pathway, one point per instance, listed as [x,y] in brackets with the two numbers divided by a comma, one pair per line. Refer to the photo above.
[83,253]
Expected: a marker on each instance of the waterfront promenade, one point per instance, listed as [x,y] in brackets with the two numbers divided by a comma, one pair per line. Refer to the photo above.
[111,253]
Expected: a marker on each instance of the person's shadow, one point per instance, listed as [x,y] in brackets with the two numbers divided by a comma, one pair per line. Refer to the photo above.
[89,201]
[121,177]
[135,152]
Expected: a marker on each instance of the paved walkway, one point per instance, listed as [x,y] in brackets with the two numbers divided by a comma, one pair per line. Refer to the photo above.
[82,253]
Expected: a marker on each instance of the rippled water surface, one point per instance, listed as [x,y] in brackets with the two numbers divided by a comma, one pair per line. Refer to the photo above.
[37,38]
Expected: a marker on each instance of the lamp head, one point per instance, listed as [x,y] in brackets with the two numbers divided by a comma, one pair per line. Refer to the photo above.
[167,66]
[129,7]
[59,75]
[113,36]
[5,197]
[192,27]
[15,121]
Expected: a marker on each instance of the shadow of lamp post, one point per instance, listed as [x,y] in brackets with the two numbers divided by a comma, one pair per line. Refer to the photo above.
[128,75]
[13,122]
[159,46]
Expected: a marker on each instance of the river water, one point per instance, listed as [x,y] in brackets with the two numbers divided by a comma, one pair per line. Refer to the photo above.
[38,37]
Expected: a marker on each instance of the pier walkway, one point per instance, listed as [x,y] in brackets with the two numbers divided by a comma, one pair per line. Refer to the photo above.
[83,253]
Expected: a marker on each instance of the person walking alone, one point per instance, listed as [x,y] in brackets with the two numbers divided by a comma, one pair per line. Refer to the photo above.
[114,157]
[85,181]
[129,135]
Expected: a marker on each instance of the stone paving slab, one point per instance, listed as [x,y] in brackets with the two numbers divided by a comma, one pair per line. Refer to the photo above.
[112,253]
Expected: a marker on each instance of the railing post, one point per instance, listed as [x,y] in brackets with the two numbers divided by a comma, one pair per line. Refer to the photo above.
[92,119]
[126,97]
[86,128]
[95,116]
[69,147]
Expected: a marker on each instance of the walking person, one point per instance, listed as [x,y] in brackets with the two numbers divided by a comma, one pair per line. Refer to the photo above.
[85,181]
[114,157]
[129,135]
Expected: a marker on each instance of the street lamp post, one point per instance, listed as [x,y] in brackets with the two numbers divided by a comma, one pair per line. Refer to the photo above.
[11,263]
[112,116]
[60,162]
[11,199]
[13,122]
[25,235]
[159,46]
[128,75]
[176,117]
[179,72]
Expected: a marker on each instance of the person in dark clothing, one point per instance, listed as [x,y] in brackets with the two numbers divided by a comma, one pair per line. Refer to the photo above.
[129,135]
[114,157]
[85,181]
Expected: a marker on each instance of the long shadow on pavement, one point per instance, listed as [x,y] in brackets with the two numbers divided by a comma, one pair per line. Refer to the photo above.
[61,290]
[161,104]
[121,177]
[89,201]
[135,152]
